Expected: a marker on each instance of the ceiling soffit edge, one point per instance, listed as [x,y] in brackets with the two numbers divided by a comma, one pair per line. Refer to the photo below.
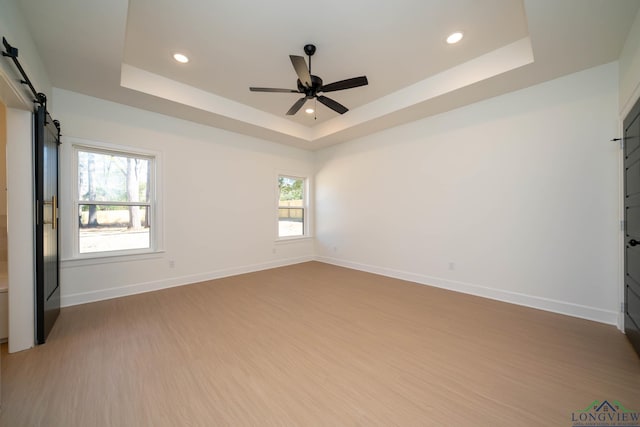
[499,61]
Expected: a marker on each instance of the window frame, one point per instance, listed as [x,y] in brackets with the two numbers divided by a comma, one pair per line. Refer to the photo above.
[305,206]
[153,205]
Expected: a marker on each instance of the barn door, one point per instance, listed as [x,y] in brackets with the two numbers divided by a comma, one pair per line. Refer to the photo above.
[47,139]
[632,225]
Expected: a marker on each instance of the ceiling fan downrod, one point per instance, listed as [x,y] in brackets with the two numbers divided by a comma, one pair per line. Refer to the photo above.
[309,49]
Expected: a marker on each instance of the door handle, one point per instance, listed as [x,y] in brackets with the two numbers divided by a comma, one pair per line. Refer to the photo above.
[633,242]
[54,212]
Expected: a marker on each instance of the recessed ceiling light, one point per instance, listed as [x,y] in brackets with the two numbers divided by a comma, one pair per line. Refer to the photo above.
[180,58]
[309,110]
[455,37]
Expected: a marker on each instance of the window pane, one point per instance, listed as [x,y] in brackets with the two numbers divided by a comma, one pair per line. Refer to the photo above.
[290,206]
[291,189]
[290,221]
[113,228]
[113,178]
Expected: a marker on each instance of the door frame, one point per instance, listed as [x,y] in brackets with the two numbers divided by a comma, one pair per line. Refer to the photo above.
[20,181]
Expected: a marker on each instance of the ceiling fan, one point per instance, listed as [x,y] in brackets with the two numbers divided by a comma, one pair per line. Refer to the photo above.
[311,85]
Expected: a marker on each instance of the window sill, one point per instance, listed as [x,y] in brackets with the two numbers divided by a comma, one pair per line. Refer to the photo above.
[109,259]
[293,239]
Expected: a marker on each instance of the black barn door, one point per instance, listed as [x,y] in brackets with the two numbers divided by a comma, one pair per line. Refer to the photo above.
[632,225]
[47,139]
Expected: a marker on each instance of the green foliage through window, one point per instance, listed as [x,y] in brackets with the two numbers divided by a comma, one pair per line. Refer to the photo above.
[291,188]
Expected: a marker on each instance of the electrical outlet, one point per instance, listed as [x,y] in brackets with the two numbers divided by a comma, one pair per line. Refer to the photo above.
[172,264]
[452,266]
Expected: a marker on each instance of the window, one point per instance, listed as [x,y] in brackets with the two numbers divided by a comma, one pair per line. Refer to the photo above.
[114,201]
[292,206]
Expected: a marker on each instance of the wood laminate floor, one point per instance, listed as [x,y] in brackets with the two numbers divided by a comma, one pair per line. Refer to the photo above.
[315,345]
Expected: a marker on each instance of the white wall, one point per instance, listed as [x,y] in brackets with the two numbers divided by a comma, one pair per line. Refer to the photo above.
[630,68]
[219,196]
[515,198]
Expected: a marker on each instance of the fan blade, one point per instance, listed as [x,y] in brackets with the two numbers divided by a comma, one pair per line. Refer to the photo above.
[298,105]
[272,89]
[345,84]
[335,106]
[300,65]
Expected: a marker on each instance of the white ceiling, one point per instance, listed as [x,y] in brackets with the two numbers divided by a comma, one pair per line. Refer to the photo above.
[121,51]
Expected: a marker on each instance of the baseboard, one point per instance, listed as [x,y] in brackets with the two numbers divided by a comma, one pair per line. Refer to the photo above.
[561,307]
[546,304]
[138,288]
[620,324]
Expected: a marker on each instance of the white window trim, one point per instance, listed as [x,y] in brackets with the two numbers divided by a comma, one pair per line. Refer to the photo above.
[306,206]
[69,162]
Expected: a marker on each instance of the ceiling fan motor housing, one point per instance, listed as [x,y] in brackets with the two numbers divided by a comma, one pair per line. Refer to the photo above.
[310,92]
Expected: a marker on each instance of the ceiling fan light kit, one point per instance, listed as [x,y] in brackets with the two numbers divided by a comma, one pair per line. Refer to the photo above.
[311,85]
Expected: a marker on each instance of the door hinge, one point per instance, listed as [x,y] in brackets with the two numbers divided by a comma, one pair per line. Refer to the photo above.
[621,307]
[622,225]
